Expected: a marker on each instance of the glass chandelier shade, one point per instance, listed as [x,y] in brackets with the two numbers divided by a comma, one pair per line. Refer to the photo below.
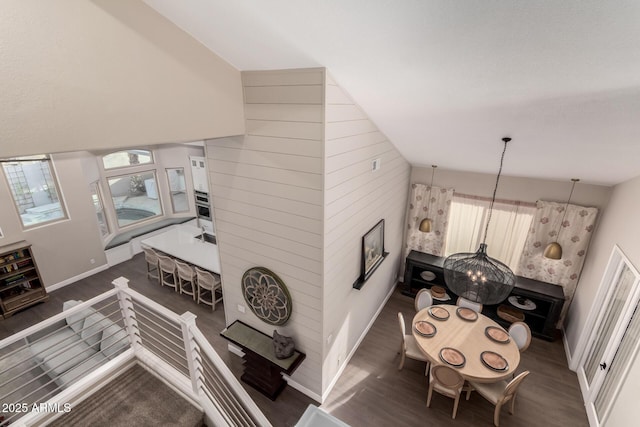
[427,223]
[476,276]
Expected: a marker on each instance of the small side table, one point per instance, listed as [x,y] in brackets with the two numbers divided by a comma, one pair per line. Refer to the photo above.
[262,370]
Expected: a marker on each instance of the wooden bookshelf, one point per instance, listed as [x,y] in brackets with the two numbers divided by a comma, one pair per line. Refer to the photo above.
[20,282]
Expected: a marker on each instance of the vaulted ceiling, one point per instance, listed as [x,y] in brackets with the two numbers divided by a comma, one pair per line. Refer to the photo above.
[446,80]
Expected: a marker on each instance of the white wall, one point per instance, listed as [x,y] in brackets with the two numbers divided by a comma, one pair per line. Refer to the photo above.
[65,249]
[267,190]
[356,198]
[619,225]
[295,195]
[82,75]
[62,249]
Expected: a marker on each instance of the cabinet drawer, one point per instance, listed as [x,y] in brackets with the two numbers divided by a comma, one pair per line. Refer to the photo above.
[20,300]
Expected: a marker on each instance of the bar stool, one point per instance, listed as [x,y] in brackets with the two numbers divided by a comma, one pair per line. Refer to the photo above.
[186,279]
[208,282]
[151,258]
[168,275]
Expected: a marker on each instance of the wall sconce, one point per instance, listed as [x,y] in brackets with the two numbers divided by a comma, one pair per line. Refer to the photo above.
[553,249]
[427,223]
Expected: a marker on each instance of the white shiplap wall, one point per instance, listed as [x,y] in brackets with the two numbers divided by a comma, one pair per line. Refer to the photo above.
[355,199]
[295,195]
[267,189]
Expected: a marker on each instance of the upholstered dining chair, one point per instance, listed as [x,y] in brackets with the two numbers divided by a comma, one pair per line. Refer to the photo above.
[423,299]
[409,347]
[186,279]
[499,393]
[207,283]
[448,382]
[521,335]
[475,306]
[168,276]
[151,258]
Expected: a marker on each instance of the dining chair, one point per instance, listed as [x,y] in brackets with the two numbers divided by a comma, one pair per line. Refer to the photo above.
[151,258]
[475,306]
[167,273]
[423,299]
[521,335]
[207,282]
[409,347]
[448,382]
[499,393]
[186,279]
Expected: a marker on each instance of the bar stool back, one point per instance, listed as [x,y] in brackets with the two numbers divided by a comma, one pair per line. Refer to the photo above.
[208,283]
[186,279]
[168,276]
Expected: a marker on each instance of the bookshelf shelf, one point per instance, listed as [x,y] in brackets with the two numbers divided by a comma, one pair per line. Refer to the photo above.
[20,282]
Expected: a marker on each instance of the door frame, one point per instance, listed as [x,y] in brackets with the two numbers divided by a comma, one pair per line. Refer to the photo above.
[617,261]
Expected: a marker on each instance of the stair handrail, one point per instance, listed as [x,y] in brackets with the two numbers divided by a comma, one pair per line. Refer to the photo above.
[191,331]
[196,345]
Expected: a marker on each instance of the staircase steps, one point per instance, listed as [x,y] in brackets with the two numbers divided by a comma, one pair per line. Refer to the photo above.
[135,398]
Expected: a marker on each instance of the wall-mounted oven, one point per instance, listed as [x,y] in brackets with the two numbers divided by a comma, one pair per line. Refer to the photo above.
[203,207]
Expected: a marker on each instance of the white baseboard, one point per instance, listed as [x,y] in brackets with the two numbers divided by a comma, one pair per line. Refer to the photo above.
[302,389]
[235,350]
[76,278]
[567,350]
[355,347]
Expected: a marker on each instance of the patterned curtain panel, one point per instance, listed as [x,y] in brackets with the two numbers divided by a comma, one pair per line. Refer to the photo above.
[437,210]
[574,237]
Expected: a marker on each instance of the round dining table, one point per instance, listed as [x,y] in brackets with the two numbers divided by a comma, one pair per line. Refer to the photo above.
[467,334]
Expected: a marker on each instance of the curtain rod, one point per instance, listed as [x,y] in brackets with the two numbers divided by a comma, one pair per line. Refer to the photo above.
[488,199]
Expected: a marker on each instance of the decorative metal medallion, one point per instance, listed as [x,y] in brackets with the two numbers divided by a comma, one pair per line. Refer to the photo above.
[266,295]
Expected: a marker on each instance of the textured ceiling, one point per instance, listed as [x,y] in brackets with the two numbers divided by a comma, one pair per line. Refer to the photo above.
[446,80]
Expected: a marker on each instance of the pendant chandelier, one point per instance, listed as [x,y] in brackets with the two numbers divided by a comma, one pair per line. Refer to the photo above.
[476,276]
[553,249]
[427,223]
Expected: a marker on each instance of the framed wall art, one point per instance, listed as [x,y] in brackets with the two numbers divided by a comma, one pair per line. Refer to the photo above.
[373,253]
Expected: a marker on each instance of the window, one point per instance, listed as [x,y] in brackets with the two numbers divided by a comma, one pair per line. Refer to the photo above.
[126,158]
[97,203]
[510,222]
[177,188]
[135,197]
[34,190]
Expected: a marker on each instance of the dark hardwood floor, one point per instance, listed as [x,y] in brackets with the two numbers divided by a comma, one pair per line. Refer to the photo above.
[371,391]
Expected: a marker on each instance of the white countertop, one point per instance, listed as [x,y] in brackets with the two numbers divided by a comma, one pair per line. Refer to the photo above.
[180,242]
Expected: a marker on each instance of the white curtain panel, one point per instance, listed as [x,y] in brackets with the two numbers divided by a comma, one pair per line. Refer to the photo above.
[437,210]
[467,225]
[574,236]
[508,227]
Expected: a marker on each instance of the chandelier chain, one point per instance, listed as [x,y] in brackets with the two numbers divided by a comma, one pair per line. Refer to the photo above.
[433,171]
[495,189]
[566,207]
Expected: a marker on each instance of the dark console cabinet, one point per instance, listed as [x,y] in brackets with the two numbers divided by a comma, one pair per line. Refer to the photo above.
[262,369]
[548,298]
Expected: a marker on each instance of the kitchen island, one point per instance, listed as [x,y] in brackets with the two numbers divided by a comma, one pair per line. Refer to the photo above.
[186,242]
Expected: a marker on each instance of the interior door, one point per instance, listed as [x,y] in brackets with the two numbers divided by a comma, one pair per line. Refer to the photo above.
[600,371]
